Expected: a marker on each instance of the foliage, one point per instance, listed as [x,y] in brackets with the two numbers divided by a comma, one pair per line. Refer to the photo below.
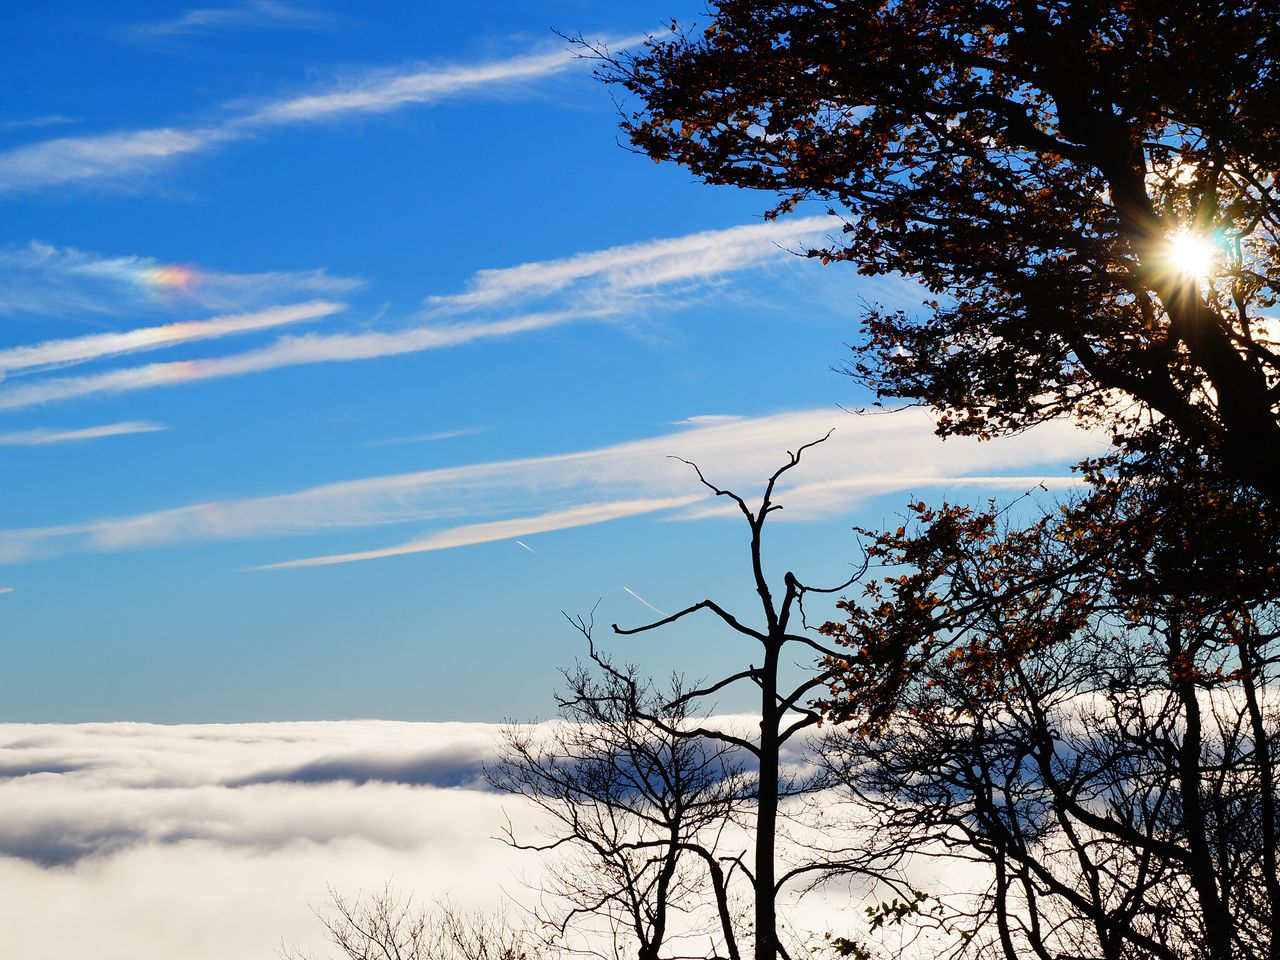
[1082,705]
[1035,165]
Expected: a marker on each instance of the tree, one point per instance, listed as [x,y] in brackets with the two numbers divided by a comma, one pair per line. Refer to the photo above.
[382,926]
[638,811]
[1049,170]
[1081,706]
[784,711]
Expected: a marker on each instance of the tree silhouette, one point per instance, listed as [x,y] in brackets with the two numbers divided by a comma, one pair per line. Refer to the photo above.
[784,709]
[1088,192]
[1082,705]
[637,813]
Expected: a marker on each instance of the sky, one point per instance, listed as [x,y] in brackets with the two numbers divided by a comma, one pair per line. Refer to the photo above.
[344,349]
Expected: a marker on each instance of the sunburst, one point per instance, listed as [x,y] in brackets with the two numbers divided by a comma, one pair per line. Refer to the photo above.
[1191,256]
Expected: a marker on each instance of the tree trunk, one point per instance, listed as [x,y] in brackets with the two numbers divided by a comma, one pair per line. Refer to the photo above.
[766,920]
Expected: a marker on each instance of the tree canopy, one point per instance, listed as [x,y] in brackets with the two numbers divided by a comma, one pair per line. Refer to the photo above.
[1087,190]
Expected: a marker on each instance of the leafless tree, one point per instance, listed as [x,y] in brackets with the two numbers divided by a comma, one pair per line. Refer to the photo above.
[383,926]
[784,711]
[638,814]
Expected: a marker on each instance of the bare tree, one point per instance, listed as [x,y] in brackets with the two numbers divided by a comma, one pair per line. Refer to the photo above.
[784,710]
[637,812]
[382,926]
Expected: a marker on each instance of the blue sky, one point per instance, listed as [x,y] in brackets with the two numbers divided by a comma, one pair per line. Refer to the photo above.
[343,348]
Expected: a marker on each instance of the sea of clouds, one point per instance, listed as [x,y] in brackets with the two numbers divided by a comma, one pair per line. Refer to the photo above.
[212,842]
[132,841]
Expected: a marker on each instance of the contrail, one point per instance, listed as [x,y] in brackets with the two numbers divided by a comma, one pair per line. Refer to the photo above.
[644,601]
[529,548]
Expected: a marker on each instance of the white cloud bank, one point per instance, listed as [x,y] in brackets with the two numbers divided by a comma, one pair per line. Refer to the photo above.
[866,456]
[132,841]
[135,153]
[211,842]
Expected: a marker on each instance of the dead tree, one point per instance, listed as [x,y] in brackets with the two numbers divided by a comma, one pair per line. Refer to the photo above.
[784,709]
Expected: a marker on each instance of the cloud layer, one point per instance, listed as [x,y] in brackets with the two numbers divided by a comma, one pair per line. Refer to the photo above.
[212,842]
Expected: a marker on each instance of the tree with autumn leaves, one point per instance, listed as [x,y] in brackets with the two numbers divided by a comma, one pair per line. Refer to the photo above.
[1088,190]
[1085,707]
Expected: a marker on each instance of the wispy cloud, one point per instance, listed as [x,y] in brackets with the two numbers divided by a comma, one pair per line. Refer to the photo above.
[133,153]
[866,456]
[58,353]
[34,123]
[44,436]
[286,352]
[4,590]
[589,287]
[45,280]
[605,274]
[427,437]
[470,534]
[251,15]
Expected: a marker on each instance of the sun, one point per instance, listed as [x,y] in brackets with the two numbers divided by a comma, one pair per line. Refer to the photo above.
[1190,256]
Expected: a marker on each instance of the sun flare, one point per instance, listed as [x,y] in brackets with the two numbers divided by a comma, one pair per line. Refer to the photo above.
[1191,256]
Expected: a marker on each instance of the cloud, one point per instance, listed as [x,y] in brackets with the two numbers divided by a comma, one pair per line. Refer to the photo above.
[93,790]
[251,15]
[212,842]
[108,156]
[471,534]
[866,456]
[596,286]
[428,437]
[45,280]
[4,590]
[129,154]
[387,90]
[30,123]
[60,353]
[286,352]
[608,273]
[44,436]
[78,791]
